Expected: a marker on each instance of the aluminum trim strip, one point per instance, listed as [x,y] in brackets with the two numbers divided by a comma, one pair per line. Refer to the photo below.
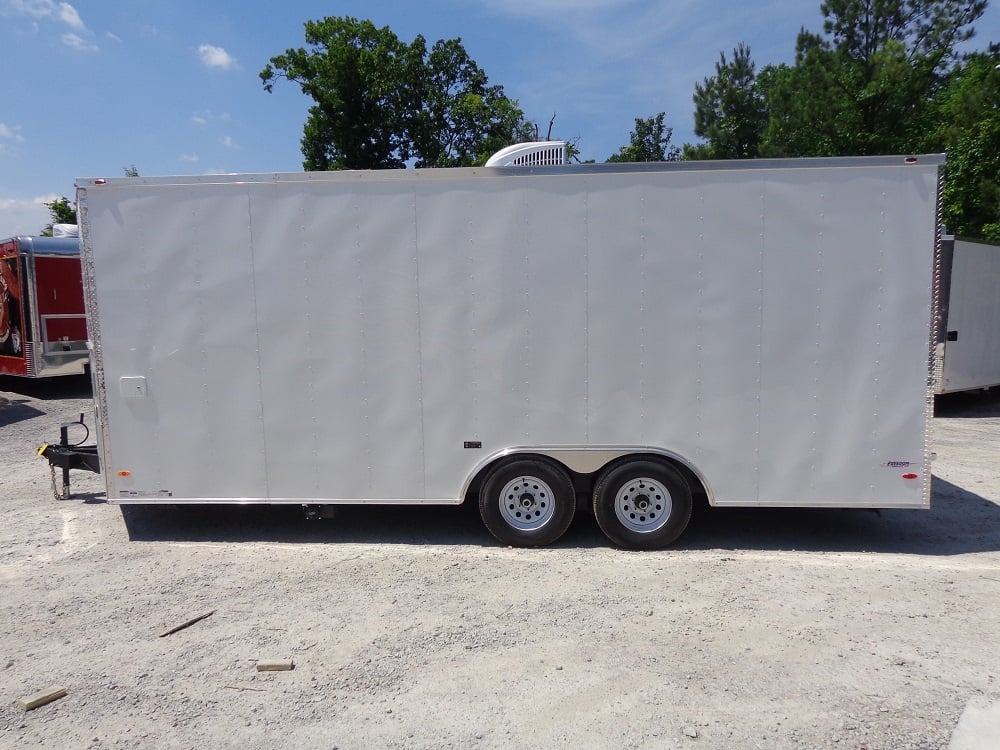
[406,175]
[94,338]
[586,459]
[935,333]
[830,504]
[276,501]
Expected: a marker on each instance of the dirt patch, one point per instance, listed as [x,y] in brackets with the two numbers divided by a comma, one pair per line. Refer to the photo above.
[411,628]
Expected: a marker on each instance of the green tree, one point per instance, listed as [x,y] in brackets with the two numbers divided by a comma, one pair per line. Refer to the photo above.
[361,80]
[730,110]
[865,86]
[380,102]
[650,141]
[461,119]
[969,130]
[61,211]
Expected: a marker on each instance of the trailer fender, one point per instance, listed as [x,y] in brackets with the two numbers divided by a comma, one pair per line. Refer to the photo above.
[586,463]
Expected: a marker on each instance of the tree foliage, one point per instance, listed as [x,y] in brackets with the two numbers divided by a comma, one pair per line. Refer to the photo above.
[61,211]
[650,141]
[730,110]
[462,119]
[380,102]
[883,77]
[969,130]
[865,85]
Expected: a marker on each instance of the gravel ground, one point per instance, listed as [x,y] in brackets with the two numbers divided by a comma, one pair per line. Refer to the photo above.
[411,628]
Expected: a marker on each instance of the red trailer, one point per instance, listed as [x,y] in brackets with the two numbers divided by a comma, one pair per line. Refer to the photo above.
[43,324]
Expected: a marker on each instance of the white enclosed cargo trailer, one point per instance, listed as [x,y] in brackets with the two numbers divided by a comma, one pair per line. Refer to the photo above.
[968,350]
[622,337]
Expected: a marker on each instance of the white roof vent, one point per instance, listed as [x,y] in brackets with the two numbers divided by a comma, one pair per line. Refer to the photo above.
[534,154]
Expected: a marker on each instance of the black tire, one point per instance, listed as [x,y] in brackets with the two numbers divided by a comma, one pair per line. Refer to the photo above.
[642,504]
[527,502]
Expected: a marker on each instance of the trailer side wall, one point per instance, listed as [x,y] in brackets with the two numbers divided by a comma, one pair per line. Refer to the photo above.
[346,337]
[970,349]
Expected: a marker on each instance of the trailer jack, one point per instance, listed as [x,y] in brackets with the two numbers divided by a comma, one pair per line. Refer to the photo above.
[67,457]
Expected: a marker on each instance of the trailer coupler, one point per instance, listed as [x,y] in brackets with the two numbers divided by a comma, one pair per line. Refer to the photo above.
[66,457]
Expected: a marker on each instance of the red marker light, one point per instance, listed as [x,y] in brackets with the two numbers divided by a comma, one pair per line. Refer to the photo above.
[910,160]
[910,475]
[100,181]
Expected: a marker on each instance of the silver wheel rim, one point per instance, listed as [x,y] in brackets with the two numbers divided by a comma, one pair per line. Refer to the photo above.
[643,505]
[527,503]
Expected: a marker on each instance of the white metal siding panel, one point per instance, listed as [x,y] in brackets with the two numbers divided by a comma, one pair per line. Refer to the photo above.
[174,274]
[503,312]
[973,360]
[847,277]
[675,320]
[336,306]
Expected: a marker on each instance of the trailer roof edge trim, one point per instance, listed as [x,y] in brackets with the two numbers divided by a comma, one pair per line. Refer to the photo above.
[405,175]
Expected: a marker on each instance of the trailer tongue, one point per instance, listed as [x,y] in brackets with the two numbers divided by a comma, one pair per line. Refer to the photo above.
[66,456]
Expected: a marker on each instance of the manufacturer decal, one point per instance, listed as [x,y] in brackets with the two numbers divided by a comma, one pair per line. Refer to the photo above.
[898,464]
[145,493]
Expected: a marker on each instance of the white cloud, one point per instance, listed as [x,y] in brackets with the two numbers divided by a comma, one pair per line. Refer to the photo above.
[77,42]
[79,37]
[45,9]
[227,141]
[24,215]
[206,116]
[10,133]
[555,9]
[113,36]
[68,15]
[190,158]
[35,8]
[217,57]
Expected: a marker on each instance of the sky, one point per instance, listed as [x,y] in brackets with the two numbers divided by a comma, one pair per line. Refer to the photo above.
[92,87]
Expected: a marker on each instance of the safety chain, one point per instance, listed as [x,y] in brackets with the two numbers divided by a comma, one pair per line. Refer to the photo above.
[55,488]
